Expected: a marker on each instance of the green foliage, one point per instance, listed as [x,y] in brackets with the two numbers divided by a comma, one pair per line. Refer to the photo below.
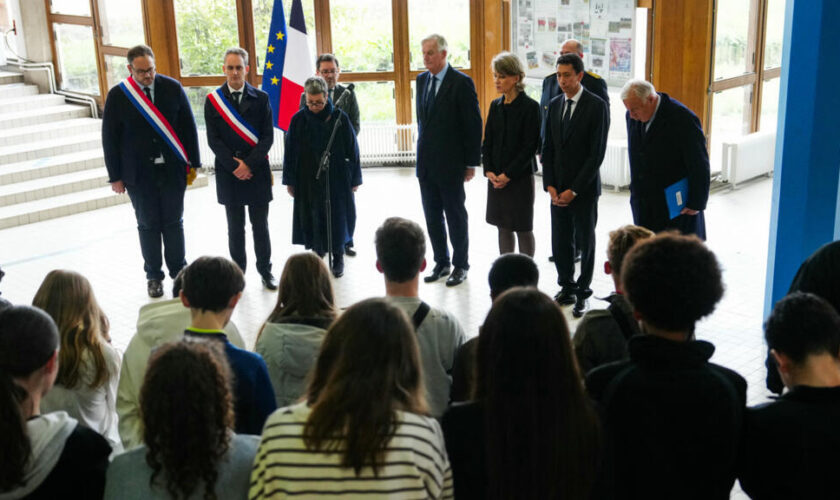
[206,28]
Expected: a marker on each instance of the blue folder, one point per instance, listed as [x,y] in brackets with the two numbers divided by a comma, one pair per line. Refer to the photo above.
[675,195]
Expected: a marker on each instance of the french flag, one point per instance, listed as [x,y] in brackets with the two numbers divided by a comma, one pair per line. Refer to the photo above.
[287,63]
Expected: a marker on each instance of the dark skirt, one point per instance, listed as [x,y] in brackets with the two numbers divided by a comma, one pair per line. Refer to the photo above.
[512,207]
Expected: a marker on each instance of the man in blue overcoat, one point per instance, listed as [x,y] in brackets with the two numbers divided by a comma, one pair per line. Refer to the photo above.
[666,145]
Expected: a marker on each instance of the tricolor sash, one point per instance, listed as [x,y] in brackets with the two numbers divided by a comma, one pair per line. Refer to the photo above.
[232,117]
[152,114]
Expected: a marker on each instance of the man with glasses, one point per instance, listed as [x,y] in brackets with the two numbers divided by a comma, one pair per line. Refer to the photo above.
[307,138]
[326,66]
[240,133]
[448,150]
[151,147]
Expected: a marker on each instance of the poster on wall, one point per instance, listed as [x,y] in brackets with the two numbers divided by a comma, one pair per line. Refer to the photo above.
[605,29]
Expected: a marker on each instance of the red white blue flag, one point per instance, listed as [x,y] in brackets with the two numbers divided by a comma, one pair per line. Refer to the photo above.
[287,63]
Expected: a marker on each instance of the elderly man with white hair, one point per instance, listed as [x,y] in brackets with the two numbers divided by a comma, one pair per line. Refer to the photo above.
[669,162]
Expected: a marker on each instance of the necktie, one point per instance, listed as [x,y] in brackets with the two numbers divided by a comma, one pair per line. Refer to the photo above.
[567,116]
[430,96]
[148,92]
[331,96]
[236,96]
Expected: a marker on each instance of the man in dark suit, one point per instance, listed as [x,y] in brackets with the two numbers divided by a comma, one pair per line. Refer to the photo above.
[666,144]
[574,146]
[591,82]
[243,174]
[448,150]
[326,66]
[550,89]
[141,161]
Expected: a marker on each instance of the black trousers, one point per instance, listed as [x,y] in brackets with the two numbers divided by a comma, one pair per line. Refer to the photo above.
[574,226]
[258,215]
[446,198]
[160,216]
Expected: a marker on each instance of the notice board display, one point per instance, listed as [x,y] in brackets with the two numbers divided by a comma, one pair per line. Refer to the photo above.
[604,27]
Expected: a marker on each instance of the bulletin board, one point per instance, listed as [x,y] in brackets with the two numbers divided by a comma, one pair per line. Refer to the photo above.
[604,27]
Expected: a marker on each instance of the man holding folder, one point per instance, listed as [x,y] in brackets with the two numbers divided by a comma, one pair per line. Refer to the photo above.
[669,163]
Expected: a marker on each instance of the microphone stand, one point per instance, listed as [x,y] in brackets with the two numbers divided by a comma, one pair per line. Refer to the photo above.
[324,167]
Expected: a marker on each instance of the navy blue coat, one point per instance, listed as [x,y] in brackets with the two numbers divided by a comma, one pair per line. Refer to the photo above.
[674,147]
[571,161]
[131,145]
[226,143]
[305,142]
[551,89]
[449,139]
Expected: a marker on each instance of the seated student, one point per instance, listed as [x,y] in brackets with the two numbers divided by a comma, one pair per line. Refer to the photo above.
[290,339]
[820,275]
[672,419]
[601,336]
[531,432]
[41,455]
[190,450]
[157,323]
[400,257]
[362,431]
[791,445]
[507,271]
[212,286]
[89,367]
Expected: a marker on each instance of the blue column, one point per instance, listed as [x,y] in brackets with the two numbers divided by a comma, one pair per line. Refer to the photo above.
[807,167]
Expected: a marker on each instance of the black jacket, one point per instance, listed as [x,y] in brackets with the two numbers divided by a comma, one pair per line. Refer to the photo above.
[673,420]
[517,122]
[131,144]
[449,138]
[226,144]
[571,159]
[551,89]
[790,446]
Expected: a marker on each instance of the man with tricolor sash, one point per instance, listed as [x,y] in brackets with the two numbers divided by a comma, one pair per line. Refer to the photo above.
[240,133]
[151,151]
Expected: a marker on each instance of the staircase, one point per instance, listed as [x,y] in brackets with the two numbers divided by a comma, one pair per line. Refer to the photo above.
[51,161]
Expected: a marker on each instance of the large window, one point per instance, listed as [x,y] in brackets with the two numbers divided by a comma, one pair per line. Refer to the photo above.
[747,70]
[90,40]
[376,41]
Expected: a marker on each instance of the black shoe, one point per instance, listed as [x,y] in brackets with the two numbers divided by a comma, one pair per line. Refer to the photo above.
[581,306]
[565,297]
[438,272]
[551,258]
[348,250]
[338,266]
[269,282]
[457,277]
[155,288]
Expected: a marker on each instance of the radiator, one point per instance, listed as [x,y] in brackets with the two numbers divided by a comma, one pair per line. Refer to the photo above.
[615,170]
[748,157]
[379,144]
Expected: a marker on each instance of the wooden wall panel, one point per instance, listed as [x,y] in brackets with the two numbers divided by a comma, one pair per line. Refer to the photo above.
[682,44]
[161,37]
[491,42]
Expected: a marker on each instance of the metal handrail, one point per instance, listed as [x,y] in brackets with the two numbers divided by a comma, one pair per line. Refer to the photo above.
[69,95]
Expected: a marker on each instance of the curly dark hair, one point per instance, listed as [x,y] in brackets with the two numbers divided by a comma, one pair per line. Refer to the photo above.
[187,413]
[672,281]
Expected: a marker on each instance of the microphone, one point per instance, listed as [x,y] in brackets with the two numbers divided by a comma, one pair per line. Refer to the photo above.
[344,95]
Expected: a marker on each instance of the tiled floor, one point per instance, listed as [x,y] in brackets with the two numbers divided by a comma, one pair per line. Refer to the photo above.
[103,245]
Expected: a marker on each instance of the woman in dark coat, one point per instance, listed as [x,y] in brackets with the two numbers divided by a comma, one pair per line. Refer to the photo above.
[306,139]
[511,140]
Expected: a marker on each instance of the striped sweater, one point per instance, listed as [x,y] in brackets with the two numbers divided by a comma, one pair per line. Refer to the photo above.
[416,465]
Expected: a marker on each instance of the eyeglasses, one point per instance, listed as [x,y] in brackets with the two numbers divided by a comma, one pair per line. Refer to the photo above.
[315,104]
[148,71]
[328,71]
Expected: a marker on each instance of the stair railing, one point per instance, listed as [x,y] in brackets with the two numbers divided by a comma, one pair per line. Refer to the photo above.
[69,95]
